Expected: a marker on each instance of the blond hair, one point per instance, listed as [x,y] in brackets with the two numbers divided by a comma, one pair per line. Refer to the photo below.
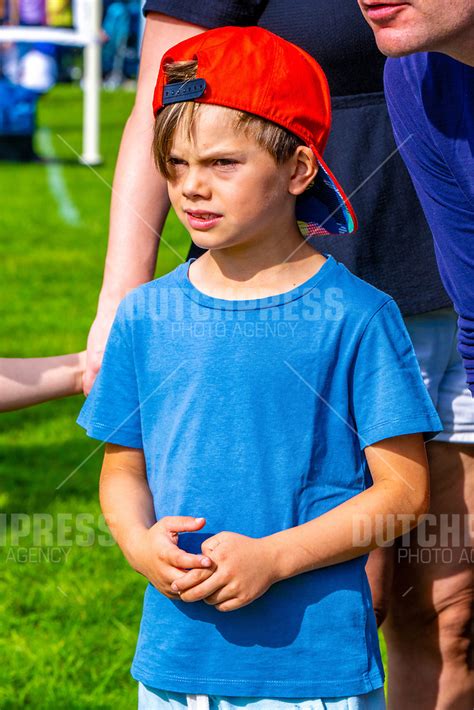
[279,142]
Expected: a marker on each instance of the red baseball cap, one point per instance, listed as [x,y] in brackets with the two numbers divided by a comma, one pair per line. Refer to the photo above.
[251,69]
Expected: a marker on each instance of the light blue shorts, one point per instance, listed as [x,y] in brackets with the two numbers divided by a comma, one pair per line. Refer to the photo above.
[152,699]
[434,337]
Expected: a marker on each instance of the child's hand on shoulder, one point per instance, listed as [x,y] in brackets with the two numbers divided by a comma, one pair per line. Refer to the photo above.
[245,570]
[157,557]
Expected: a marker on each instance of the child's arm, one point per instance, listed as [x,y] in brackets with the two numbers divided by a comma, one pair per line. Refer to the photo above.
[394,504]
[247,567]
[28,381]
[150,547]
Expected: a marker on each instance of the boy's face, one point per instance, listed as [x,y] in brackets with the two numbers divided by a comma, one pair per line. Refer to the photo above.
[226,189]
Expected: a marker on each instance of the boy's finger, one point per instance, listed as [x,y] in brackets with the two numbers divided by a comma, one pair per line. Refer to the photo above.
[190,579]
[182,523]
[186,560]
[203,590]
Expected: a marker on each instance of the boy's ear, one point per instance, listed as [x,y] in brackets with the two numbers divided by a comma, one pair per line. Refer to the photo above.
[304,168]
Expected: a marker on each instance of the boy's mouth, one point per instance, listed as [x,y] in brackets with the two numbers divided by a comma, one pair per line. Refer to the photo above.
[199,219]
[201,214]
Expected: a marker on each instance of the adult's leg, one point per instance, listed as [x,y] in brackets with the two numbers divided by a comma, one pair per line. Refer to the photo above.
[429,630]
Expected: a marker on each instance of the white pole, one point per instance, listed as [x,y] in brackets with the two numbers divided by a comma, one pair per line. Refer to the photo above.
[55,35]
[92,83]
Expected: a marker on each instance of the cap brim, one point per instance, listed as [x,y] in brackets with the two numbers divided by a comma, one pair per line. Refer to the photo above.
[324,208]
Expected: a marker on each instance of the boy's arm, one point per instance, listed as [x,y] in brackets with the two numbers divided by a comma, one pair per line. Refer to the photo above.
[394,504]
[140,201]
[150,547]
[246,567]
[28,381]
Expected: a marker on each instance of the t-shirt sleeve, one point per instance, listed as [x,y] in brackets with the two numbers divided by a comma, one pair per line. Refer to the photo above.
[209,13]
[389,397]
[111,412]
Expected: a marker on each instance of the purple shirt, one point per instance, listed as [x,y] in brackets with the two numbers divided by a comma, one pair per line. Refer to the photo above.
[431,103]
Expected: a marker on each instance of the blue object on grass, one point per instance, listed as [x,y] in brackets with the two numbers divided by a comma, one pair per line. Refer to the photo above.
[17,109]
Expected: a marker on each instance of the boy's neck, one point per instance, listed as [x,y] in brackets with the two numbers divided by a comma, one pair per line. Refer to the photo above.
[255,271]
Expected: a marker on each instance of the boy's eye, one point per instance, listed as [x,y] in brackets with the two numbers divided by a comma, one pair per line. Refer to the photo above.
[219,162]
[175,161]
[225,162]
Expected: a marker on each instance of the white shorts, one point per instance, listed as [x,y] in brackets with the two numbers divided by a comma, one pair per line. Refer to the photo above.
[152,699]
[434,337]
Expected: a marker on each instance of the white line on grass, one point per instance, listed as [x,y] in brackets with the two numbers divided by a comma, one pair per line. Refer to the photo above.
[57,184]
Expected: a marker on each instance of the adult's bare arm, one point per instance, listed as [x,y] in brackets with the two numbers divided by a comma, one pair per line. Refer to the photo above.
[139,199]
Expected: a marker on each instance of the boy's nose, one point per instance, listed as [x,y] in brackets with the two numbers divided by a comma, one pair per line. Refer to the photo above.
[195,184]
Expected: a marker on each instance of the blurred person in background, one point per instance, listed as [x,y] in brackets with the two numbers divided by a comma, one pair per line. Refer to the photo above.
[24,73]
[29,70]
[120,33]
[394,251]
[31,65]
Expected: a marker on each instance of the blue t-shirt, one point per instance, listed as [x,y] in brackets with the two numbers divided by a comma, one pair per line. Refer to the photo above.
[254,414]
[430,98]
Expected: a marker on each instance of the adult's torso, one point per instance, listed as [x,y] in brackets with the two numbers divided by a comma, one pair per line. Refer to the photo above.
[393,248]
[336,34]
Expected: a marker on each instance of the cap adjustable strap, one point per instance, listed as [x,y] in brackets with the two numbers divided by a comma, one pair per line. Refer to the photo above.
[183,91]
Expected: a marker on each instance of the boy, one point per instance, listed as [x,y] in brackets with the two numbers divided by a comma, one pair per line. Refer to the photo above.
[263,387]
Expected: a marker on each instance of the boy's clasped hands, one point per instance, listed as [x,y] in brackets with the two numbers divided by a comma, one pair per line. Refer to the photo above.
[233,570]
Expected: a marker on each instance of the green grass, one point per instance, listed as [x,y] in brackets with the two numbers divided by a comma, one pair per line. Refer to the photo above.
[68,625]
